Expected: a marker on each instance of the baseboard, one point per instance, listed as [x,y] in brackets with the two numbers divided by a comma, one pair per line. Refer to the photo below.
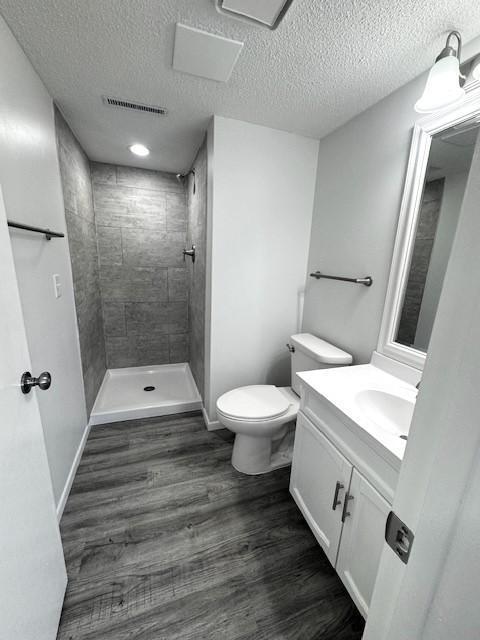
[212,425]
[73,470]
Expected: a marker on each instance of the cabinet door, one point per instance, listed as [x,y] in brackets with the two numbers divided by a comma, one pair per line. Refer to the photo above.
[362,540]
[319,474]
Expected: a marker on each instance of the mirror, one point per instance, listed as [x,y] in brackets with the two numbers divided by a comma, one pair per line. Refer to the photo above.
[447,170]
[440,158]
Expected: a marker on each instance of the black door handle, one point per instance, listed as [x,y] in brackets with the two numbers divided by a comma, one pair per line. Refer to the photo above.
[336,501]
[346,513]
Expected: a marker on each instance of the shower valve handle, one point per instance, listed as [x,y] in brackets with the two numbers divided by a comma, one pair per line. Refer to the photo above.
[189,252]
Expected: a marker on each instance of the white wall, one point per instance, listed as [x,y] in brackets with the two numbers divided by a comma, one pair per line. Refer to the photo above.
[361,171]
[30,179]
[260,202]
[452,197]
[360,179]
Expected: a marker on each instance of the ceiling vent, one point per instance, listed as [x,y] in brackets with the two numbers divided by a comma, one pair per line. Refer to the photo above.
[268,13]
[204,54]
[118,103]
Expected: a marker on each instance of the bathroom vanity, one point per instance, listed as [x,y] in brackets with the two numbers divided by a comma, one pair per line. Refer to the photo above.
[354,421]
[350,438]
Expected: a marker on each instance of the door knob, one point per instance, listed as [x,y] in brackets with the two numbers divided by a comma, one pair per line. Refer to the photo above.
[43,381]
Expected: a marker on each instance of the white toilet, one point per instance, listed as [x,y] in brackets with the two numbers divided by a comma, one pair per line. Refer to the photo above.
[263,416]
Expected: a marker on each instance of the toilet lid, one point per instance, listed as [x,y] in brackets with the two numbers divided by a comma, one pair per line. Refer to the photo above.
[256,402]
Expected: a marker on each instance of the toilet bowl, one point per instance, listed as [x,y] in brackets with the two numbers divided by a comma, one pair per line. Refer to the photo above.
[259,415]
[263,416]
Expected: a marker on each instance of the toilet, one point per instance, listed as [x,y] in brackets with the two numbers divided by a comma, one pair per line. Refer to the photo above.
[262,416]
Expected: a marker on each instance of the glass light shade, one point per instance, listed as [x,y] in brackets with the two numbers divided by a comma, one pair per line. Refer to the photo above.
[443,86]
[475,73]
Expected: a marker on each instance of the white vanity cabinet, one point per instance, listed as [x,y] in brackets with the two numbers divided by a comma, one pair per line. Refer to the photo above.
[320,478]
[362,540]
[345,512]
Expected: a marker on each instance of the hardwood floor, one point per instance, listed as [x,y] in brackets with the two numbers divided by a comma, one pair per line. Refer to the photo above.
[164,540]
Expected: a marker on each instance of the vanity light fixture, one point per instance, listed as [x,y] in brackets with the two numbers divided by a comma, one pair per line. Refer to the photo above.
[139,149]
[443,83]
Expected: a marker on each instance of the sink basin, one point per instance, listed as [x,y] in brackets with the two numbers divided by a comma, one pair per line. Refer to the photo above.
[388,411]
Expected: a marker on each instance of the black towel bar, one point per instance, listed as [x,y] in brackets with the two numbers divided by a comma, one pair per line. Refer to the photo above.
[27,227]
[367,281]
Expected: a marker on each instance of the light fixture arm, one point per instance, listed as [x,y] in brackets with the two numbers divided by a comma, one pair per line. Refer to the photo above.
[448,50]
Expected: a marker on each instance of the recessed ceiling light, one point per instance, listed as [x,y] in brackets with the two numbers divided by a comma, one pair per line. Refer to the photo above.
[139,149]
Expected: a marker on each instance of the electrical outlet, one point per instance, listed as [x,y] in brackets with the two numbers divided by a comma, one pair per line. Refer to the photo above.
[57,285]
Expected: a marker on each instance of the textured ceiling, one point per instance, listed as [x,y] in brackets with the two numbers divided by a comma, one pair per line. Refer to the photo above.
[327,61]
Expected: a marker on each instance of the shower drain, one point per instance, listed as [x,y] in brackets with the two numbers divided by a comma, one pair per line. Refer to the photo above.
[149,388]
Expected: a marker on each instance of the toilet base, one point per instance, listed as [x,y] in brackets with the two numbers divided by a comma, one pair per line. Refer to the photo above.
[254,456]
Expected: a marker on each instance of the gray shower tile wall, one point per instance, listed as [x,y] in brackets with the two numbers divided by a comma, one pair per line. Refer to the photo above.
[80,220]
[141,220]
[145,247]
[197,235]
[420,262]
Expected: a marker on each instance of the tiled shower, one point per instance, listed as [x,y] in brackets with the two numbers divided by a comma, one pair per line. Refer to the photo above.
[139,304]
[141,219]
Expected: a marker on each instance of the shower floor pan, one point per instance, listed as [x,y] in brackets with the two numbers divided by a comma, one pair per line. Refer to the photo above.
[144,392]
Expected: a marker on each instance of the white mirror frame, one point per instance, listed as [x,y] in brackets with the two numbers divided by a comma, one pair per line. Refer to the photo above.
[423,131]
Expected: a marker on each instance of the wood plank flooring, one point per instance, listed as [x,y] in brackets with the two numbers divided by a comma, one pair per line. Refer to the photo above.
[164,540]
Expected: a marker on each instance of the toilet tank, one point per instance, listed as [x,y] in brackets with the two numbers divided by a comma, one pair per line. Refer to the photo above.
[309,352]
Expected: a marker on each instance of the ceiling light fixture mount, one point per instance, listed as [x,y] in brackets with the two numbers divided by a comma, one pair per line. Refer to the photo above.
[444,82]
[139,149]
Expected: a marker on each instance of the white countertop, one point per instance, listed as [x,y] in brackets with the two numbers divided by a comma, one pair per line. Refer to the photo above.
[340,388]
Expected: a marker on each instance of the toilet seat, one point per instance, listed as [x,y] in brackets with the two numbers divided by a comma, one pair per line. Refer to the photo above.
[254,403]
